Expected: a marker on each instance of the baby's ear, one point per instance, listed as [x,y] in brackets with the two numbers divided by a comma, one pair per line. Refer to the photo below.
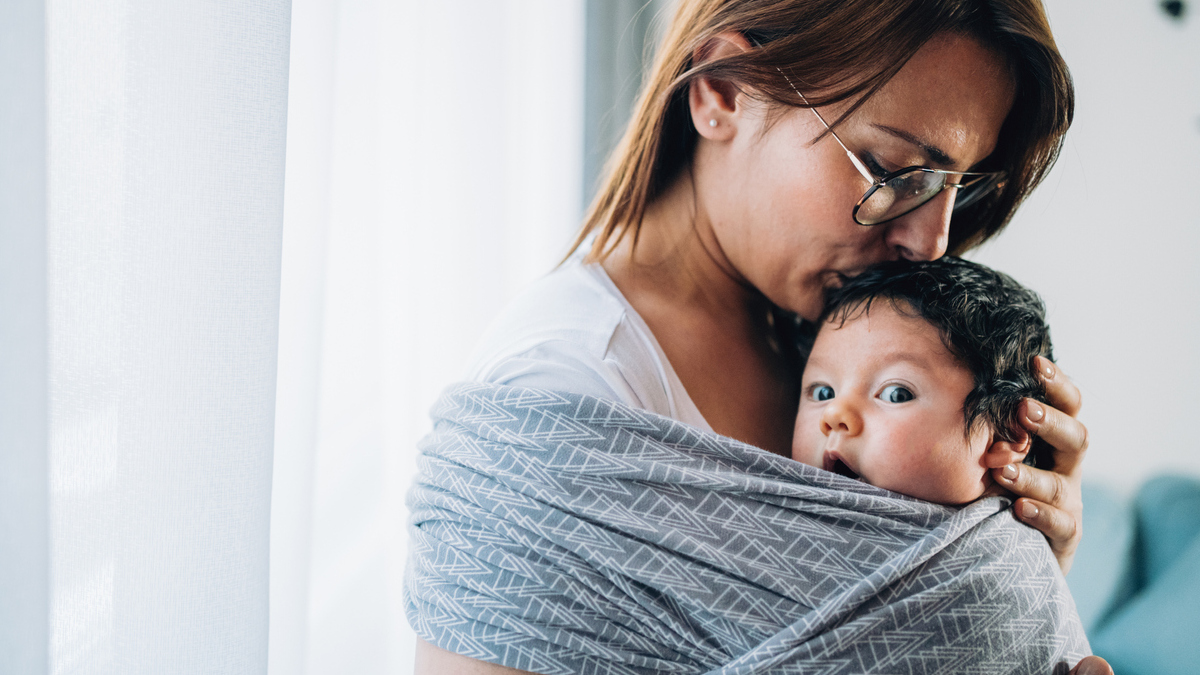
[1002,453]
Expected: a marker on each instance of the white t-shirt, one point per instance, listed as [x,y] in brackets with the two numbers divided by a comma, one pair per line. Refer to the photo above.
[573,331]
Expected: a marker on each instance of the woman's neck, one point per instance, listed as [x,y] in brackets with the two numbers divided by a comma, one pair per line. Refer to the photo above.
[713,326]
[677,258]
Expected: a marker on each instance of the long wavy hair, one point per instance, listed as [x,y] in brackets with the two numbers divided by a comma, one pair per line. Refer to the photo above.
[845,50]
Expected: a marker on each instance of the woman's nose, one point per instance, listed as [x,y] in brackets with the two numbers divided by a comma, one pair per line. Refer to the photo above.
[842,417]
[923,234]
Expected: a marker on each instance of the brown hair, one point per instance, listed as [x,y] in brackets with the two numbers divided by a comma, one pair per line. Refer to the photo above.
[842,50]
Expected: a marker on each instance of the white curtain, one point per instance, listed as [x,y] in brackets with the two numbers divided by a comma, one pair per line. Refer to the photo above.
[434,168]
[142,218]
[212,379]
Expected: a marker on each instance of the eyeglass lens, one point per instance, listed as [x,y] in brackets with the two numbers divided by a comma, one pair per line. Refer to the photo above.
[901,194]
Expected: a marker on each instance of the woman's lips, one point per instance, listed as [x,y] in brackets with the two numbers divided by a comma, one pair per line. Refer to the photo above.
[835,279]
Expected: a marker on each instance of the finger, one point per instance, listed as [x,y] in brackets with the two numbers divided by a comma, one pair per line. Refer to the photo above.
[1043,486]
[1067,435]
[1059,527]
[1092,665]
[1061,392]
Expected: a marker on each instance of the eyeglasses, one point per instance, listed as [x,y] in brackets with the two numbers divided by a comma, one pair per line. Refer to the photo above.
[899,192]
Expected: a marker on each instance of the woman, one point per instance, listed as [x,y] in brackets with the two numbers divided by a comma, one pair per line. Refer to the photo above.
[738,190]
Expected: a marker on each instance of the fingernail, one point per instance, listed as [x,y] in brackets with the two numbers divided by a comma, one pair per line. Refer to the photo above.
[1034,412]
[1009,472]
[1093,666]
[1028,511]
[1048,369]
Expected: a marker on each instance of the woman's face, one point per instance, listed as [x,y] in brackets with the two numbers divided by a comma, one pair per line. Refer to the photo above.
[780,207]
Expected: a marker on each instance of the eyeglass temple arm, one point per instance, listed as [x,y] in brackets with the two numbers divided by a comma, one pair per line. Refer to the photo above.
[862,168]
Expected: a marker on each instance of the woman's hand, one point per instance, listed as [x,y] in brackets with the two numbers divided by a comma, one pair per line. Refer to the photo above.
[1092,665]
[1050,500]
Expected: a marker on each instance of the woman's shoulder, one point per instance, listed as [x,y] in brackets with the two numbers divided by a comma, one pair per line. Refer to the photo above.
[568,306]
[573,331]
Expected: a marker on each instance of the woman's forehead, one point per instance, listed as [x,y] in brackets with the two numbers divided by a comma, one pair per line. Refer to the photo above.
[950,99]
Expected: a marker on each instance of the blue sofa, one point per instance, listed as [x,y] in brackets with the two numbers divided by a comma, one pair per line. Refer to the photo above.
[1136,578]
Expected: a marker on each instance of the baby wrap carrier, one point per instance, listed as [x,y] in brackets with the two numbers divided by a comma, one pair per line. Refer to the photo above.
[558,533]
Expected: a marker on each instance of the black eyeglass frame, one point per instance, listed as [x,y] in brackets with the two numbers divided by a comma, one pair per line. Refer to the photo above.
[961,201]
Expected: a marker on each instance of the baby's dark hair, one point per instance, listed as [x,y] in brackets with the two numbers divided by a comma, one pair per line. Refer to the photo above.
[992,324]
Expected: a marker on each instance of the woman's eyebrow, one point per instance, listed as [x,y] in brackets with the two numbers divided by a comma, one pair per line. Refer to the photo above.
[932,151]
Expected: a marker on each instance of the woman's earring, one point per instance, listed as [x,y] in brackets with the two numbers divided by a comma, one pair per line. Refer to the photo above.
[712,123]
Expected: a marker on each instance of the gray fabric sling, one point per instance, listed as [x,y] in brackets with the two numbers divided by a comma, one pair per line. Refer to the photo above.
[565,534]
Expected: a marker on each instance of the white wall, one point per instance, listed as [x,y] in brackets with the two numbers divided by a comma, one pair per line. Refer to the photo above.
[1112,238]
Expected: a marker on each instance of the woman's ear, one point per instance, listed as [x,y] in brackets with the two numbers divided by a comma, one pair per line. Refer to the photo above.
[715,104]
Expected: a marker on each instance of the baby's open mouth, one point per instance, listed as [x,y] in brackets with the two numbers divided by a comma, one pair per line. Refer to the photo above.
[840,468]
[836,465]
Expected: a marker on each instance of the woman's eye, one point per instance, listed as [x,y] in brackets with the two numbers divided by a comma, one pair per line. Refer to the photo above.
[894,393]
[873,165]
[821,392]
[910,185]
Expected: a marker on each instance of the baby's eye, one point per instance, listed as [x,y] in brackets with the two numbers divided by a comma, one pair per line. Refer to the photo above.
[894,393]
[821,392]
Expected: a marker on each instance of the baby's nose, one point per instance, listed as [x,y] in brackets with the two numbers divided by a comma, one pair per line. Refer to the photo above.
[841,417]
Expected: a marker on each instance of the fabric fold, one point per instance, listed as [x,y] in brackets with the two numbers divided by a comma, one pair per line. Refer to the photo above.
[558,533]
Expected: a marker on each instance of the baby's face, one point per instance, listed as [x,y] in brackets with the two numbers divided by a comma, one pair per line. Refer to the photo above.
[882,401]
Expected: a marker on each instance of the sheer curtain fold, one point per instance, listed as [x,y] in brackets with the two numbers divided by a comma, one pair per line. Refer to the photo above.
[434,169]
[305,234]
[164,168]
[160,513]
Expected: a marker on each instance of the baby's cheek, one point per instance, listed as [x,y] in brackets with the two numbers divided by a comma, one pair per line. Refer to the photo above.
[906,470]
[802,448]
[964,477]
[953,478]
[806,438]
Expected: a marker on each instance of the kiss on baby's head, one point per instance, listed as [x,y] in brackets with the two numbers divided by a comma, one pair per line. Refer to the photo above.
[917,369]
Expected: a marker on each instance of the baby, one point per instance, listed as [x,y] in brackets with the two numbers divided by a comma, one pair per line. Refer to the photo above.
[916,372]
